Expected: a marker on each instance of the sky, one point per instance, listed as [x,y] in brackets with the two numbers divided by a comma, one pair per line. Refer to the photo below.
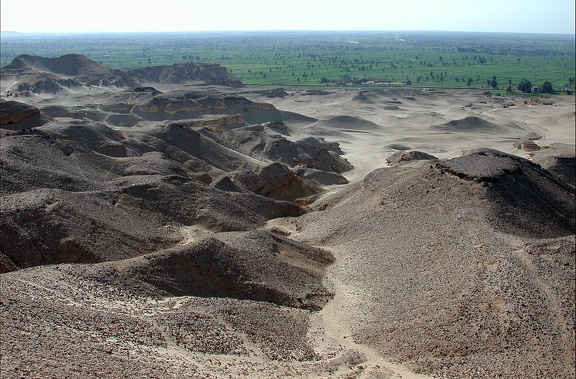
[77,16]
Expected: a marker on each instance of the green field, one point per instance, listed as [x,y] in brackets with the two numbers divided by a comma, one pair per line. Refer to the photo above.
[271,59]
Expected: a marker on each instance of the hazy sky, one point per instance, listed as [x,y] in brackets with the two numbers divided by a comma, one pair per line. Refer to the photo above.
[55,16]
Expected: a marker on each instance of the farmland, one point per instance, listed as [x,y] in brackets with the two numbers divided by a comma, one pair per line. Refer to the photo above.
[269,59]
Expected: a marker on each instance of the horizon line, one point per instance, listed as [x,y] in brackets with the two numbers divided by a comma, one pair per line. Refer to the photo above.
[278,31]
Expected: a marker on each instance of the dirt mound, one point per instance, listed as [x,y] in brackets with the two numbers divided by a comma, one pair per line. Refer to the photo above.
[194,104]
[321,177]
[83,227]
[471,124]
[122,340]
[16,115]
[255,141]
[276,181]
[276,92]
[563,166]
[528,200]
[98,187]
[178,73]
[34,74]
[473,281]
[69,65]
[401,157]
[249,266]
[345,123]
[560,160]
[364,97]
[37,74]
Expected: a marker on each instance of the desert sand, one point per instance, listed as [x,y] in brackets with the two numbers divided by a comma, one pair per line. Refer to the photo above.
[176,230]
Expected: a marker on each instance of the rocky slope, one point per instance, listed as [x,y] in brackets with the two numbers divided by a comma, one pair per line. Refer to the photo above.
[460,268]
[199,233]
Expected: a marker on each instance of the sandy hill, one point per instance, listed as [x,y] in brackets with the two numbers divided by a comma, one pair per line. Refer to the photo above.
[69,65]
[455,267]
[205,73]
[28,74]
[472,124]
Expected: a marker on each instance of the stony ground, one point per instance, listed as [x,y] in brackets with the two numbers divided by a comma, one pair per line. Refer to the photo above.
[136,243]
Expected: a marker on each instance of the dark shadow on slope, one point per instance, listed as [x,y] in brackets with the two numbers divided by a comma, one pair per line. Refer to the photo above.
[526,200]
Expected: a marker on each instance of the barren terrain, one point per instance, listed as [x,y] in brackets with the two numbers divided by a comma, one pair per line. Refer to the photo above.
[154,227]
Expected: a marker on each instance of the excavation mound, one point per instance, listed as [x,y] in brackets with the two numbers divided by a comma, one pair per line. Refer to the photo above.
[475,254]
[35,74]
[344,123]
[16,115]
[402,157]
[526,199]
[69,65]
[471,124]
[257,266]
[178,73]
[98,187]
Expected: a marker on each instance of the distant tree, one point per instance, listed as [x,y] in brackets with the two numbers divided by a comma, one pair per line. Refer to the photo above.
[324,80]
[525,86]
[493,82]
[546,87]
[469,83]
[509,89]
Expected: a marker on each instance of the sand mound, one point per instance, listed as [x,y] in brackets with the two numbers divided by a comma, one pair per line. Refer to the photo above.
[178,73]
[177,337]
[70,65]
[346,123]
[276,181]
[50,75]
[16,115]
[528,201]
[138,184]
[296,118]
[257,266]
[401,157]
[471,124]
[468,282]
